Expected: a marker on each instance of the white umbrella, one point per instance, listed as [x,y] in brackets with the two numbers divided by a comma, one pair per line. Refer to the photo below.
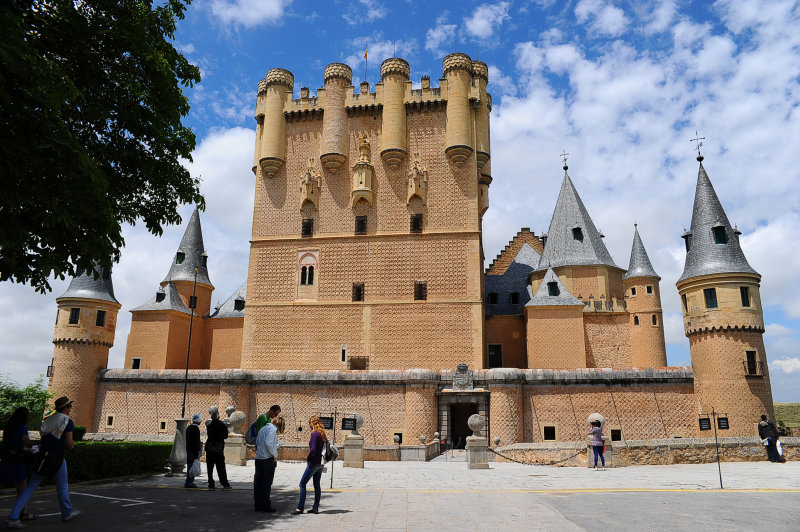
[596,417]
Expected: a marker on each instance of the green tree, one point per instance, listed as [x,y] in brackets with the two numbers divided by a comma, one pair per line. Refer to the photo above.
[34,396]
[91,103]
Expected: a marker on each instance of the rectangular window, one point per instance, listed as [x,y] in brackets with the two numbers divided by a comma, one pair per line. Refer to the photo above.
[514,298]
[552,288]
[358,291]
[616,434]
[162,426]
[136,363]
[711,297]
[361,225]
[101,318]
[416,223]
[649,289]
[577,234]
[752,367]
[492,298]
[495,355]
[549,433]
[74,316]
[633,290]
[110,421]
[420,290]
[358,363]
[57,312]
[308,228]
[719,235]
[685,303]
[745,292]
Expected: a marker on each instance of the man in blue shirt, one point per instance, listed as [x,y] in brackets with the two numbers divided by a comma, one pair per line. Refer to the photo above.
[266,461]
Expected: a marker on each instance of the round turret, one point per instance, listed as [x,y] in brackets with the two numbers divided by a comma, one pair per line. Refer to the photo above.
[274,90]
[335,132]
[394,76]
[480,75]
[457,70]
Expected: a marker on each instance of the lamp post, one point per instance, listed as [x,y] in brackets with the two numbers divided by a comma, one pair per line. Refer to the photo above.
[192,306]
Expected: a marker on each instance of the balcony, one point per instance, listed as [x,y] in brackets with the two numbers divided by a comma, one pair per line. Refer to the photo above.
[754,368]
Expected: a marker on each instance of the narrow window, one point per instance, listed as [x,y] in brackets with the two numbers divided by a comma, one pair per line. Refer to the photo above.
[110,421]
[745,292]
[310,275]
[577,234]
[74,315]
[552,288]
[711,297]
[616,434]
[655,320]
[136,363]
[633,290]
[495,355]
[420,290]
[492,298]
[685,303]
[180,257]
[719,235]
[308,228]
[687,240]
[238,304]
[204,260]
[649,289]
[361,225]
[162,425]
[303,275]
[636,321]
[549,433]
[416,223]
[160,295]
[514,298]
[57,313]
[358,291]
[192,302]
[101,318]
[344,352]
[752,367]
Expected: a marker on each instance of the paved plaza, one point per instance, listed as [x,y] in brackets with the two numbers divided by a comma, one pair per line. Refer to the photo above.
[444,495]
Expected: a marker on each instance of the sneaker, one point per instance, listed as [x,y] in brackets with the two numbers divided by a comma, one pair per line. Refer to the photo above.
[297,511]
[15,523]
[73,515]
[226,488]
[603,469]
[595,468]
[190,485]
[314,511]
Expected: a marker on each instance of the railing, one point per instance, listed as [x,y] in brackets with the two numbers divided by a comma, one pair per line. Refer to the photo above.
[755,368]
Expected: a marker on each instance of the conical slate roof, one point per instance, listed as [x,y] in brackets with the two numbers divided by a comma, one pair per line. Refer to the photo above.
[229,308]
[640,263]
[85,286]
[165,298]
[705,256]
[562,247]
[542,297]
[193,252]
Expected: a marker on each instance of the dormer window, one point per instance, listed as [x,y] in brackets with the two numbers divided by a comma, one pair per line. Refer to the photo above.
[633,290]
[577,234]
[687,239]
[238,304]
[204,260]
[160,295]
[552,289]
[180,257]
[514,298]
[719,235]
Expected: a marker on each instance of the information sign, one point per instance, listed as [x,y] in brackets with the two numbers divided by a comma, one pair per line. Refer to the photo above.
[327,422]
[348,423]
[705,423]
[722,423]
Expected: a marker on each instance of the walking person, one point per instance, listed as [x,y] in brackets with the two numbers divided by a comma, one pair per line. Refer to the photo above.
[316,446]
[266,462]
[215,451]
[57,429]
[193,448]
[598,444]
[768,433]
[16,453]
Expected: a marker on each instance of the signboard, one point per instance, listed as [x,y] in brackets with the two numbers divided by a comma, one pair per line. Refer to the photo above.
[705,423]
[348,423]
[327,422]
[722,423]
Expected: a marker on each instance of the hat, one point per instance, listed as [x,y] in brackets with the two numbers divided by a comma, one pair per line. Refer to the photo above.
[197,418]
[63,402]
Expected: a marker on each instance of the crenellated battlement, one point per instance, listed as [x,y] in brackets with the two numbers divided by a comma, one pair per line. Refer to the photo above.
[340,71]
[395,65]
[457,61]
[279,76]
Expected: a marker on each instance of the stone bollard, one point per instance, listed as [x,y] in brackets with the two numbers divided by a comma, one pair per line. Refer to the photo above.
[177,456]
[354,445]
[477,445]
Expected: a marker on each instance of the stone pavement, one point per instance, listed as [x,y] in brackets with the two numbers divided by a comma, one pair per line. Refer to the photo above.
[445,495]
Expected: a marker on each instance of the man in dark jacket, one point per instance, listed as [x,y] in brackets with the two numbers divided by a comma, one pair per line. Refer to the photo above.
[215,450]
[769,432]
[193,448]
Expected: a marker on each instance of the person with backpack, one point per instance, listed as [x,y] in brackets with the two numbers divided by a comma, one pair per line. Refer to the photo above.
[768,433]
[193,448]
[260,422]
[266,462]
[316,446]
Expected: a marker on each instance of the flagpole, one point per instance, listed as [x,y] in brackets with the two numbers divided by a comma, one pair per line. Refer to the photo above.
[366,50]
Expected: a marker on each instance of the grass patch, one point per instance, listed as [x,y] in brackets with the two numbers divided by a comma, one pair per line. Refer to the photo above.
[789,413]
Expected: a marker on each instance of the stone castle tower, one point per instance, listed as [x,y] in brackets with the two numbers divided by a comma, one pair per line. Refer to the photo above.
[366,243]
[84,332]
[722,316]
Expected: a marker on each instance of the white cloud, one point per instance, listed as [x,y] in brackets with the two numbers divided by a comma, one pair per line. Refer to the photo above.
[659,17]
[438,37]
[604,18]
[486,19]
[788,365]
[248,13]
[364,11]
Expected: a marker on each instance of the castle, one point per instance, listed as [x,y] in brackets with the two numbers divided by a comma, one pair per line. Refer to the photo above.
[366,292]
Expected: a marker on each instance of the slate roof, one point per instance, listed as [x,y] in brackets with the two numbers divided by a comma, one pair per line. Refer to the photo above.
[561,248]
[193,249]
[639,265]
[705,256]
[171,301]
[514,279]
[542,297]
[228,309]
[85,286]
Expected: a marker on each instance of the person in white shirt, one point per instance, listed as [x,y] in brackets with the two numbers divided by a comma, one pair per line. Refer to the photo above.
[266,461]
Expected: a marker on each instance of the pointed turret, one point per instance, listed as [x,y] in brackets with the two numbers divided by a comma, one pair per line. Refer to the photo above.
[573,239]
[712,244]
[552,292]
[86,286]
[233,307]
[191,253]
[639,265]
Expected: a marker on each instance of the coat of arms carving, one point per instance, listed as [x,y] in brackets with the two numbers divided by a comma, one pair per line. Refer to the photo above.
[462,377]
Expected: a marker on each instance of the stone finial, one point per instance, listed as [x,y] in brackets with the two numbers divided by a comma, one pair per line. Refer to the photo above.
[423,439]
[476,423]
[237,421]
[496,441]
[396,438]
[359,423]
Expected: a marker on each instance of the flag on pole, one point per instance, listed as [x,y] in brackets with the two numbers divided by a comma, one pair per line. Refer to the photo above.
[366,48]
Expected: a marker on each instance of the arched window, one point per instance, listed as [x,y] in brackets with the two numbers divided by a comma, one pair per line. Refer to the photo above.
[636,321]
[310,275]
[655,320]
[303,274]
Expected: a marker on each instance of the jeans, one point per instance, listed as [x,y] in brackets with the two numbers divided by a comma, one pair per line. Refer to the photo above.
[772,450]
[262,483]
[316,472]
[191,456]
[598,451]
[62,491]
[218,460]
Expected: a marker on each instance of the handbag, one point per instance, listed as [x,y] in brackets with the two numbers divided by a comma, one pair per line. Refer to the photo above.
[195,470]
[48,463]
[779,447]
[331,452]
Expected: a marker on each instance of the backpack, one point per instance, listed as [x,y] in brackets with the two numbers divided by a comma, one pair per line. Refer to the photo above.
[251,435]
[331,452]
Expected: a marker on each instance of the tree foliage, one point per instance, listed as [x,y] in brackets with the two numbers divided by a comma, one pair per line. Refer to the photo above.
[34,396]
[91,103]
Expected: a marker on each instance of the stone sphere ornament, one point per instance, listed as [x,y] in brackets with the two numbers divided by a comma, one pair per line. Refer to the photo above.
[476,423]
[436,436]
[230,410]
[237,420]
[423,439]
[396,438]
[359,422]
[497,440]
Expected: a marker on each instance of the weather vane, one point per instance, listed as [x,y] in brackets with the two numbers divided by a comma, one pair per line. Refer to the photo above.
[697,138]
[564,156]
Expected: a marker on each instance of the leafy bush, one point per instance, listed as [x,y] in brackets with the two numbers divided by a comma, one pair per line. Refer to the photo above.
[34,396]
[78,433]
[94,460]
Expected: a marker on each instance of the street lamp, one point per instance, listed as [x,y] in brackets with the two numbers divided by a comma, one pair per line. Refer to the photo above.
[192,306]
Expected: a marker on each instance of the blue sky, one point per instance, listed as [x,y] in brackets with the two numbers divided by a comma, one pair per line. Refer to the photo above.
[622,86]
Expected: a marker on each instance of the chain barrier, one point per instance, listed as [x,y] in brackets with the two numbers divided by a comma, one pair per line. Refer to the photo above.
[535,464]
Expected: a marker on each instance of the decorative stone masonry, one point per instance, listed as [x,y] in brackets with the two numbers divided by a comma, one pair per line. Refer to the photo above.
[354,445]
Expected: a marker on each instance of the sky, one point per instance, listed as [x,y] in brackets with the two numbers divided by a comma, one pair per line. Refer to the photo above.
[620,86]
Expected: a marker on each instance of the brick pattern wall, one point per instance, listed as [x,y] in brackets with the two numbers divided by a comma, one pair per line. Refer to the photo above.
[505,407]
[607,340]
[509,332]
[75,366]
[555,337]
[222,343]
[420,406]
[506,257]
[648,348]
